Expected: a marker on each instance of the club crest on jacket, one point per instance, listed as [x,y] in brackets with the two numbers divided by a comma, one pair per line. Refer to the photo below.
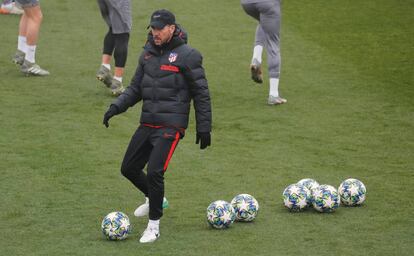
[173,57]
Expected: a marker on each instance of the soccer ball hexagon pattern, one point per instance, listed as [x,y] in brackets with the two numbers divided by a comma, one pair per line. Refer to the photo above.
[220,214]
[115,226]
[352,192]
[325,198]
[245,206]
[296,197]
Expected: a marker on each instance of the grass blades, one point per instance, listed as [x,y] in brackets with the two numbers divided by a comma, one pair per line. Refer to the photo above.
[346,72]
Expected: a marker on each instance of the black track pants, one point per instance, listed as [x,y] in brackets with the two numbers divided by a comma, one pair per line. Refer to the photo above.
[154,147]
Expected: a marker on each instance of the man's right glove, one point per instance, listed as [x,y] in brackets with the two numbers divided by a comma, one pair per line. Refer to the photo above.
[204,138]
[113,110]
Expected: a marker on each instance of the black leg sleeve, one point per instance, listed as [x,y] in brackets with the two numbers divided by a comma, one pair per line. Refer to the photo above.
[109,43]
[121,49]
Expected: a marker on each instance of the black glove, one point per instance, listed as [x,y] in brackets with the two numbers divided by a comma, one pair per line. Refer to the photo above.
[204,138]
[113,110]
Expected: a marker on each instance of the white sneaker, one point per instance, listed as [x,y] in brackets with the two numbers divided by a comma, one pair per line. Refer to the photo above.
[149,235]
[272,100]
[143,209]
[16,9]
[10,8]
[29,68]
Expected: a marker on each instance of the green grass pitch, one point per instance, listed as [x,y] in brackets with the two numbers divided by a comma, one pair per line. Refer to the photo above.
[347,72]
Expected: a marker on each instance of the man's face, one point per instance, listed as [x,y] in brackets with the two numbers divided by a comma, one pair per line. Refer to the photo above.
[163,35]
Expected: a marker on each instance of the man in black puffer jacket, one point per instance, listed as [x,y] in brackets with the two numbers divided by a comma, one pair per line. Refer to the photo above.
[169,75]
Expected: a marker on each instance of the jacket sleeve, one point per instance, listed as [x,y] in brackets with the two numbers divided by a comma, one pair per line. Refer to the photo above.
[133,93]
[195,76]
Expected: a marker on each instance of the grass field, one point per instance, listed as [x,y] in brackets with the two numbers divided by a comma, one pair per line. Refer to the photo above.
[347,74]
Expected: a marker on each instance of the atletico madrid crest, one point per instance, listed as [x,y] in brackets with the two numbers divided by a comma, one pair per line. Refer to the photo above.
[173,57]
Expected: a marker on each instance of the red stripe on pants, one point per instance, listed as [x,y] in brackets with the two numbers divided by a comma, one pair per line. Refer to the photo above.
[174,144]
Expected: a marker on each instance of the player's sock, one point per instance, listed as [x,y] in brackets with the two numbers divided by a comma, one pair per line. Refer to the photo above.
[22,44]
[108,66]
[30,53]
[257,54]
[154,224]
[118,78]
[274,87]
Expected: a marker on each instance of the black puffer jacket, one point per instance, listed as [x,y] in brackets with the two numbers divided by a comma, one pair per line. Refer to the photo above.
[166,80]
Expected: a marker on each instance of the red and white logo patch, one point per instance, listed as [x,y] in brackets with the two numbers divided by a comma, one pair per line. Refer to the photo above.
[173,57]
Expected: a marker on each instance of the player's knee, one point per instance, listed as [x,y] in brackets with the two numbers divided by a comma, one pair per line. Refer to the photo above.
[126,169]
[121,44]
[35,14]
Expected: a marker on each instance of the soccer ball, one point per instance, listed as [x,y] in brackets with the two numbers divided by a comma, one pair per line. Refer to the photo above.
[309,183]
[352,192]
[115,226]
[220,214]
[245,206]
[296,197]
[325,198]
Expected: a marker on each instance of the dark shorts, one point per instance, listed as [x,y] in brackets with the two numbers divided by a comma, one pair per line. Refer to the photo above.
[27,3]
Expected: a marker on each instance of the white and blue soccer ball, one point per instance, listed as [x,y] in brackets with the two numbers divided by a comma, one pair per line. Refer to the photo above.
[245,206]
[325,198]
[296,197]
[116,226]
[220,214]
[352,192]
[309,183]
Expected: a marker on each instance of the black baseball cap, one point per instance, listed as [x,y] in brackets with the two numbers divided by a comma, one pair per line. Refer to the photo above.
[161,18]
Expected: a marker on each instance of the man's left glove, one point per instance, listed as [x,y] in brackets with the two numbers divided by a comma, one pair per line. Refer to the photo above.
[113,110]
[204,138]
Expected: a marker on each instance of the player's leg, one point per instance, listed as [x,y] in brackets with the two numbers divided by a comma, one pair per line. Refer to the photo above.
[135,159]
[33,19]
[270,22]
[117,14]
[255,65]
[165,141]
[18,57]
[120,16]
[120,56]
[104,72]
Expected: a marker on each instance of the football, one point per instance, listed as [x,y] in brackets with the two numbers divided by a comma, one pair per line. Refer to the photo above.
[309,183]
[325,198]
[352,192]
[296,197]
[116,226]
[220,214]
[245,206]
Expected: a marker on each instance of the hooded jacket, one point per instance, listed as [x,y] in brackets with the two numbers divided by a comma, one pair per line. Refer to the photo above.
[167,78]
